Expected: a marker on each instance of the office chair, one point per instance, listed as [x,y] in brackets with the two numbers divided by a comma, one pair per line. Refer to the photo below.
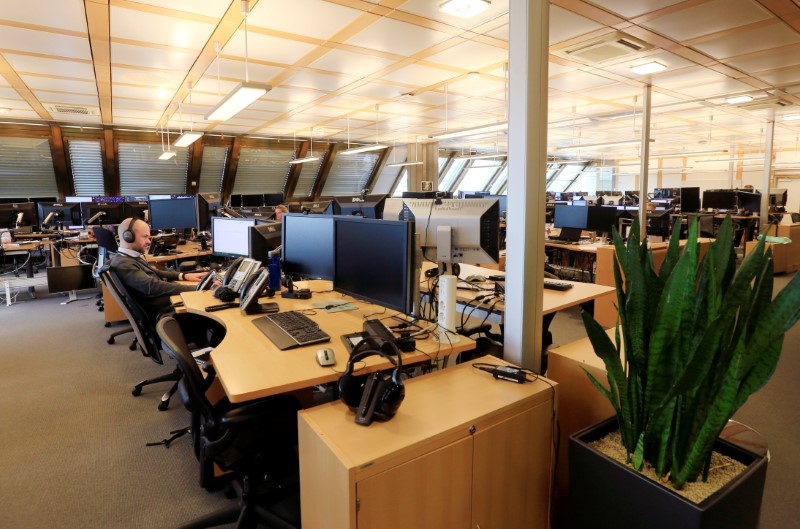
[795,217]
[106,249]
[255,442]
[146,337]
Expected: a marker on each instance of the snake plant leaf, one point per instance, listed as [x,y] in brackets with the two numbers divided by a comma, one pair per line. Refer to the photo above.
[638,454]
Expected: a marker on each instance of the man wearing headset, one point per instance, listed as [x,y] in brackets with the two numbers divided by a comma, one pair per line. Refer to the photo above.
[150,286]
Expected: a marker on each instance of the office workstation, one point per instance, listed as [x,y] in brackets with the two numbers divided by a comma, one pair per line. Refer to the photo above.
[93,94]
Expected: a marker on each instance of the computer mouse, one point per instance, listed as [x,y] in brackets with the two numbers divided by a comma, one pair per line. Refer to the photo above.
[475,278]
[326,357]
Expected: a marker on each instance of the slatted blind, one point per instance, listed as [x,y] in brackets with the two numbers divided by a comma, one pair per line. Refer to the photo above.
[86,159]
[214,159]
[26,168]
[388,177]
[142,173]
[309,172]
[262,170]
[349,173]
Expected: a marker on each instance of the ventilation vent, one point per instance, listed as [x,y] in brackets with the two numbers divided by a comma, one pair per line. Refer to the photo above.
[73,109]
[765,104]
[608,47]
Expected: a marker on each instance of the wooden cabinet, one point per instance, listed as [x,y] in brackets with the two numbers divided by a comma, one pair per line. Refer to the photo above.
[786,256]
[464,451]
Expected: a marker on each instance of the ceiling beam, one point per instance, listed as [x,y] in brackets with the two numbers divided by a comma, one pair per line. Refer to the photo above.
[98,22]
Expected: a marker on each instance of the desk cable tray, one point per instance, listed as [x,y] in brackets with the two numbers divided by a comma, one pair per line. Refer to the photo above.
[290,329]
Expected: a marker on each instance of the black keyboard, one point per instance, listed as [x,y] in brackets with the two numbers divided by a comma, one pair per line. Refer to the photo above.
[290,329]
[556,285]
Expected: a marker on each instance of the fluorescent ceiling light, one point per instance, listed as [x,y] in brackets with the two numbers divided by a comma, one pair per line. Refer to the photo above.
[464,8]
[240,98]
[495,127]
[187,138]
[648,67]
[731,159]
[304,160]
[739,99]
[791,117]
[482,156]
[597,145]
[167,155]
[687,153]
[404,164]
[364,148]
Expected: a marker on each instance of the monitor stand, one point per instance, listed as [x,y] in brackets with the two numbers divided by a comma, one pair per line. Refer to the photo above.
[446,311]
[73,296]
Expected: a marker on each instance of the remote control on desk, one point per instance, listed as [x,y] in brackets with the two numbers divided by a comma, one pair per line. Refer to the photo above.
[557,285]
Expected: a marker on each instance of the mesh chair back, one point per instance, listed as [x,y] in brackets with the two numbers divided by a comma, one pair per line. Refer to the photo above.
[146,337]
[105,239]
[795,217]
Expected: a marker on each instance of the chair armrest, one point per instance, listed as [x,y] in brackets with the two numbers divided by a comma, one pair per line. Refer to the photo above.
[259,410]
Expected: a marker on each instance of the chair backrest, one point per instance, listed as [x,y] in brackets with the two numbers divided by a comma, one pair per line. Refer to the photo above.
[795,217]
[105,239]
[174,342]
[146,336]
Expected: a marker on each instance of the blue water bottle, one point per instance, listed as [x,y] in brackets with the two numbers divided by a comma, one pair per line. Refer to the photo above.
[274,271]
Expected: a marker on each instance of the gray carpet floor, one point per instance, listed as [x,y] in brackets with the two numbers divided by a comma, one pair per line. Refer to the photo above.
[73,449]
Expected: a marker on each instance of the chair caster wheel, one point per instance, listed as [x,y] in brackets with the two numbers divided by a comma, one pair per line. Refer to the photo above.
[110,341]
[101,309]
[107,324]
[137,390]
[163,405]
[132,346]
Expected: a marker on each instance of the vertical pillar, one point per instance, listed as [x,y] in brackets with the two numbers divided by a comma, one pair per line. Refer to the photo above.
[766,178]
[644,162]
[527,162]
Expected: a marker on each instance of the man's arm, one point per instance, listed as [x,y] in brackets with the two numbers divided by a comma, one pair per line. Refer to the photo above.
[136,277]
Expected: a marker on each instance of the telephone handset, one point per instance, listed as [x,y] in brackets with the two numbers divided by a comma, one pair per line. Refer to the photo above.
[253,287]
[232,268]
[245,269]
[207,281]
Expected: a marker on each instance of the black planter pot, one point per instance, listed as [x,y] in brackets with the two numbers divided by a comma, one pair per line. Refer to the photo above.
[604,494]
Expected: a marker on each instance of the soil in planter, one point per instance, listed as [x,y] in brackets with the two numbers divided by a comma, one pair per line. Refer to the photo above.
[723,469]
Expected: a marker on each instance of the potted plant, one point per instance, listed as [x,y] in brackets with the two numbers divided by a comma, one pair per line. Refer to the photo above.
[698,338]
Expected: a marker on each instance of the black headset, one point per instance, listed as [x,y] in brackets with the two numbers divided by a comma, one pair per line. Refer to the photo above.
[225,294]
[376,395]
[128,235]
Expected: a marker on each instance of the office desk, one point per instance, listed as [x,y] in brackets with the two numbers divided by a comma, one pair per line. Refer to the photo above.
[184,251]
[575,261]
[249,366]
[22,248]
[464,450]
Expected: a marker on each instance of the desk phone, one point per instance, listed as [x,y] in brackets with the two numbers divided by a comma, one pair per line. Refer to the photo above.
[239,271]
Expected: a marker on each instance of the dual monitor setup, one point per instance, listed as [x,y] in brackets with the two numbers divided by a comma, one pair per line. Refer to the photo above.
[370,259]
[742,200]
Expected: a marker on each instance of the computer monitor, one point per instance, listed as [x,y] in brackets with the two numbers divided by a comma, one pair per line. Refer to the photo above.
[58,214]
[601,218]
[17,215]
[308,246]
[42,199]
[13,200]
[320,207]
[230,237]
[375,261]
[102,213]
[77,199]
[502,203]
[778,197]
[367,206]
[262,239]
[136,198]
[567,216]
[235,201]
[273,199]
[563,195]
[472,194]
[427,194]
[252,201]
[748,201]
[105,199]
[207,205]
[178,212]
[66,278]
[690,199]
[666,192]
[719,199]
[138,209]
[474,223]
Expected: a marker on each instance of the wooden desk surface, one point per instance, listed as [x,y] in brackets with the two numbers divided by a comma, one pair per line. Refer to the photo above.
[580,247]
[249,366]
[185,251]
[21,246]
[552,300]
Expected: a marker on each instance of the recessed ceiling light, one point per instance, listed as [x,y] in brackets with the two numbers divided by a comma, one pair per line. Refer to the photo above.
[648,67]
[464,8]
[735,100]
[791,117]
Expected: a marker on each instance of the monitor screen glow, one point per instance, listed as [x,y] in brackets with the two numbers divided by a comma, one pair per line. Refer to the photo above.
[230,237]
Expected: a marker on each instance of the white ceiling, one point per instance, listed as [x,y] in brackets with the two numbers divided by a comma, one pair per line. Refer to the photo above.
[402,63]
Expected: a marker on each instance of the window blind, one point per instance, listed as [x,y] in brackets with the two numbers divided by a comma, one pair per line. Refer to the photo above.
[262,170]
[142,173]
[86,159]
[349,173]
[309,172]
[26,168]
[212,169]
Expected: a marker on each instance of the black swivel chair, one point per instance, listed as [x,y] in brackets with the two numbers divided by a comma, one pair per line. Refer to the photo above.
[107,248]
[255,442]
[146,337]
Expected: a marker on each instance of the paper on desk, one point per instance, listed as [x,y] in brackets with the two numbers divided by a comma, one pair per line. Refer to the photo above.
[333,306]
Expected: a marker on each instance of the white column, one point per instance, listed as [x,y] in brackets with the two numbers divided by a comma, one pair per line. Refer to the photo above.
[766,180]
[644,162]
[527,160]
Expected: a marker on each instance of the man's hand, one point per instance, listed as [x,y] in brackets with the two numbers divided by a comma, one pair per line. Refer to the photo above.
[194,277]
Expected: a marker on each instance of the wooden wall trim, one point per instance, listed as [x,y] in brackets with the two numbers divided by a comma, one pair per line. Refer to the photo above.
[229,176]
[61,165]
[294,171]
[325,169]
[195,165]
[110,170]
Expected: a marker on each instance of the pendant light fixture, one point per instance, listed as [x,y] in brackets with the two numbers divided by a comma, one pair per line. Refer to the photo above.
[168,154]
[408,162]
[310,157]
[187,138]
[377,146]
[245,93]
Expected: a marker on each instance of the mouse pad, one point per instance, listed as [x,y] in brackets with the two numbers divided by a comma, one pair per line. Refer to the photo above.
[333,306]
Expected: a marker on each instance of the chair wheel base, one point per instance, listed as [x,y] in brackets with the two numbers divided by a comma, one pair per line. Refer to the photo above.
[163,405]
[110,341]
[137,390]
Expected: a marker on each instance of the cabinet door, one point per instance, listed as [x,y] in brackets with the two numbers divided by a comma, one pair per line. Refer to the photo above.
[512,472]
[430,492]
